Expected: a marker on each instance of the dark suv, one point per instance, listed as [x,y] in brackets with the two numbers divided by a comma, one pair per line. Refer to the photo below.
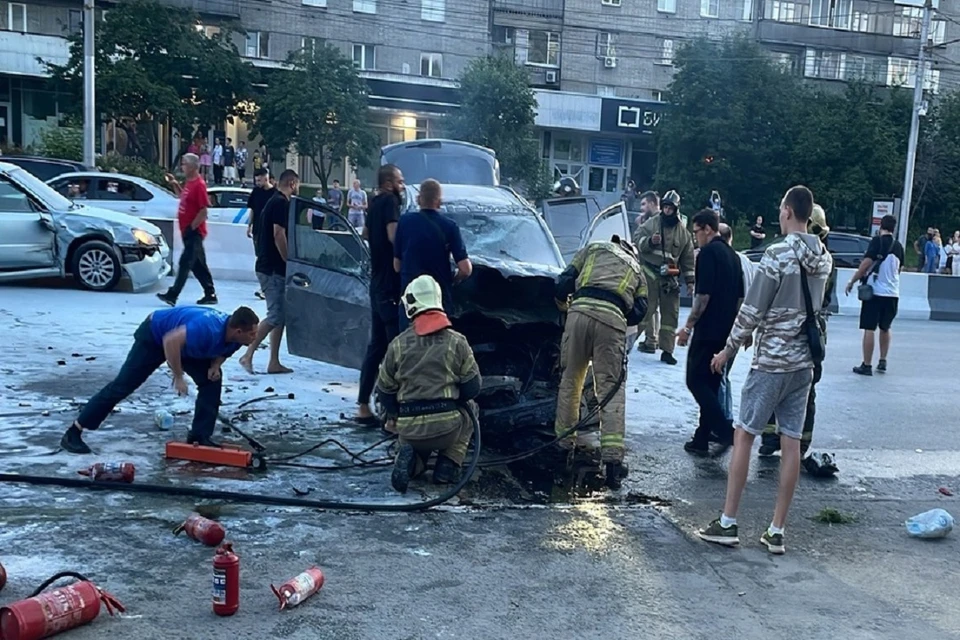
[847,249]
[45,168]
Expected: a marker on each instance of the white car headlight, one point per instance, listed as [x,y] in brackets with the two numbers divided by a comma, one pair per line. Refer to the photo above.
[143,237]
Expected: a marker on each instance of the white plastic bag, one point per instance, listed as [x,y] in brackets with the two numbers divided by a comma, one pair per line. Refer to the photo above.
[935,523]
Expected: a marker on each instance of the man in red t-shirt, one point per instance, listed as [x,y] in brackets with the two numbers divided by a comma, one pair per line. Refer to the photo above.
[192,217]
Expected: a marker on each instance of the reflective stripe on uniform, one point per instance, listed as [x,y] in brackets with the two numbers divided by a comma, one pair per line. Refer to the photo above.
[599,305]
[611,440]
[624,282]
[588,267]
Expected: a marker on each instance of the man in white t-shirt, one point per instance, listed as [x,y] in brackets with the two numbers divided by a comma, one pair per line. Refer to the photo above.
[880,269]
[357,203]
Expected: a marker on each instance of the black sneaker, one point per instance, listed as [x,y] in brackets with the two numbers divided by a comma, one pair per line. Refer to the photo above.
[727,536]
[616,474]
[446,471]
[72,441]
[208,300]
[259,294]
[773,542]
[882,366]
[695,448]
[404,467]
[768,447]
[203,441]
[645,348]
[863,370]
[668,358]
[167,299]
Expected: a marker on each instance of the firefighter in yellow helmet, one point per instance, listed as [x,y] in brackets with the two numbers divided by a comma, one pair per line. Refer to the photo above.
[427,379]
[667,254]
[609,293]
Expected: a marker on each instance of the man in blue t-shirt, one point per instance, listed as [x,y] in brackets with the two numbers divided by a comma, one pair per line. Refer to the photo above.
[424,242]
[191,340]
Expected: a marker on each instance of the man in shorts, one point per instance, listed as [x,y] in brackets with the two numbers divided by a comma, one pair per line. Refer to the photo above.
[272,270]
[782,369]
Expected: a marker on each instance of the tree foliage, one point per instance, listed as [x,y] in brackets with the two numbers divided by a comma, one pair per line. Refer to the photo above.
[153,64]
[497,110]
[319,107]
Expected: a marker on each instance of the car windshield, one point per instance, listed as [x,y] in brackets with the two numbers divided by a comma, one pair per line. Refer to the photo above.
[53,200]
[503,233]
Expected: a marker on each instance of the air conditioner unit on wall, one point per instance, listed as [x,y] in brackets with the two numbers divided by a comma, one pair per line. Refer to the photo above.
[552,77]
[609,63]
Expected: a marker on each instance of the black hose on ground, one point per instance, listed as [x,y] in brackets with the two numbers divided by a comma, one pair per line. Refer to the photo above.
[49,581]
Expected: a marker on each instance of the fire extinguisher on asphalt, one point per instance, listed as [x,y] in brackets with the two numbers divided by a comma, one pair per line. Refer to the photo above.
[46,614]
[296,590]
[110,472]
[226,581]
[202,530]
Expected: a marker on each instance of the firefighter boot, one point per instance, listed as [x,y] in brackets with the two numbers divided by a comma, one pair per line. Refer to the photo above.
[446,471]
[616,474]
[404,468]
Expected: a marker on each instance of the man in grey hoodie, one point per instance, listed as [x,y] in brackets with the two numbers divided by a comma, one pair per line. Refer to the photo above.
[782,370]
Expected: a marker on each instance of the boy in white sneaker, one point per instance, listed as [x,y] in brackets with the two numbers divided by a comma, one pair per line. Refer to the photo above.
[782,370]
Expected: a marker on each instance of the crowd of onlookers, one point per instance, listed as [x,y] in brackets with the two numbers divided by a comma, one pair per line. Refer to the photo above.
[936,255]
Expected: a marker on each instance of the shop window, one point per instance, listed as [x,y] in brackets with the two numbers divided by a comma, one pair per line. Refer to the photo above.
[605,179]
[567,149]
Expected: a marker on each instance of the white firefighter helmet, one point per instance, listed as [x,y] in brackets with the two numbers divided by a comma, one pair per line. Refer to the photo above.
[422,294]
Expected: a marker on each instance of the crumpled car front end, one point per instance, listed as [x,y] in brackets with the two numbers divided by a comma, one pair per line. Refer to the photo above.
[145,267]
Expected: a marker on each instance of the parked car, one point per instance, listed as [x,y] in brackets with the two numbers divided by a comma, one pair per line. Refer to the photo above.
[44,168]
[847,249]
[43,234]
[228,204]
[449,161]
[505,309]
[118,192]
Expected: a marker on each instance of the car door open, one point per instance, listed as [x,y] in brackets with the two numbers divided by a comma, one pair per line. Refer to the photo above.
[611,221]
[569,221]
[328,284]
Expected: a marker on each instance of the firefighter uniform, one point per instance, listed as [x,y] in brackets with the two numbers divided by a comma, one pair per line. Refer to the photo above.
[675,249]
[609,292]
[428,378]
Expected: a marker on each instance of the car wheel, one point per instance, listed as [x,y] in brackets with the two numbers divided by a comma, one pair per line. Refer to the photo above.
[96,266]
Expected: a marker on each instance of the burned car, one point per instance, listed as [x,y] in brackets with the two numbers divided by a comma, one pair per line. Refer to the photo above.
[505,309]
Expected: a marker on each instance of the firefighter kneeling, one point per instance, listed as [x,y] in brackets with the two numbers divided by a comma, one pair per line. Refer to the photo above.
[609,294]
[428,378]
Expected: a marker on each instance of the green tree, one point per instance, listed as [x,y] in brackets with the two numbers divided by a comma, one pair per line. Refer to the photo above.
[497,110]
[153,65]
[319,107]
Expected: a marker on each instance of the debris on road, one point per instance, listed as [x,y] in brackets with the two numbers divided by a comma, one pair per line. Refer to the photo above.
[829,515]
[296,590]
[933,524]
[945,491]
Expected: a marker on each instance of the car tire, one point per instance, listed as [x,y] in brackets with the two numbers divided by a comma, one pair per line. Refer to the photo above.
[96,266]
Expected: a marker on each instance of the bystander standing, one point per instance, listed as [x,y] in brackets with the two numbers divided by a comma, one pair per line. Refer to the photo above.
[263,190]
[242,163]
[335,196]
[748,269]
[217,157]
[229,162]
[357,202]
[757,234]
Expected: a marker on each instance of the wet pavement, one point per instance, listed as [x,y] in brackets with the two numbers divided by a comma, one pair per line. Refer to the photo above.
[517,553]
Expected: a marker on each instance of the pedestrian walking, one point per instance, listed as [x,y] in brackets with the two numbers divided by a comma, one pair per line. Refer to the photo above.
[335,196]
[242,163]
[428,380]
[748,269]
[757,234]
[217,158]
[195,341]
[263,190]
[272,270]
[229,163]
[666,252]
[380,233]
[782,302]
[192,219]
[609,293]
[879,292]
[716,301]
[426,239]
[357,201]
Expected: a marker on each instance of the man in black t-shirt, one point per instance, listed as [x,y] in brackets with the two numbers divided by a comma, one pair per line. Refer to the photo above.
[757,234]
[262,191]
[272,269]
[717,297]
[379,230]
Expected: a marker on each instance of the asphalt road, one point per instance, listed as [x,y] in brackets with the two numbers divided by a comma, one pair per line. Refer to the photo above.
[510,558]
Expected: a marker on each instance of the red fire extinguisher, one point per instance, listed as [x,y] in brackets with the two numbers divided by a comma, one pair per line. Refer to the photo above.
[202,530]
[45,614]
[110,472]
[296,590]
[226,581]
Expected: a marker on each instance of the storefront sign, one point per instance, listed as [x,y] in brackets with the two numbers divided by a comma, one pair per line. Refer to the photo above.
[560,110]
[606,152]
[630,117]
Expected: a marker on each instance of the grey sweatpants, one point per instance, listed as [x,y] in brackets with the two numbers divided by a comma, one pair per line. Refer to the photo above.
[782,393]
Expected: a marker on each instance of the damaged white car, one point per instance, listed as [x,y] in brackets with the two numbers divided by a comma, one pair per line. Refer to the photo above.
[43,234]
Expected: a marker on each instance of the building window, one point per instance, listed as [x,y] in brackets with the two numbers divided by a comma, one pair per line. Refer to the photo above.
[606,90]
[208,30]
[709,8]
[258,44]
[667,6]
[311,45]
[826,65]
[314,3]
[783,11]
[903,72]
[431,65]
[605,45]
[365,6]
[907,22]
[938,31]
[76,21]
[365,56]
[864,22]
[831,13]
[17,17]
[610,3]
[856,68]
[433,10]
[666,52]
[543,47]
[657,95]
[747,14]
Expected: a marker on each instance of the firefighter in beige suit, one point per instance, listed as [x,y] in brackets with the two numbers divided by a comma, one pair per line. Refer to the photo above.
[608,291]
[666,252]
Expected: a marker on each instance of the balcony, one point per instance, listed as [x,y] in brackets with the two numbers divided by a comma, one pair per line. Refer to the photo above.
[19,53]
[802,35]
[541,8]
[225,8]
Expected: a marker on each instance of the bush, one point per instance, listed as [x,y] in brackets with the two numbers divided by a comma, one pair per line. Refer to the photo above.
[62,143]
[115,163]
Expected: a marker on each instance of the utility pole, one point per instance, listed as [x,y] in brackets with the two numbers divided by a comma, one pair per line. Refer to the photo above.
[914,126]
[89,87]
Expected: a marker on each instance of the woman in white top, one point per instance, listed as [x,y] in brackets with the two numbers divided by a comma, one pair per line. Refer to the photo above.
[953,251]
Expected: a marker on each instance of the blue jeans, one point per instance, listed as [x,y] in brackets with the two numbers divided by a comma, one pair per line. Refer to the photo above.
[726,391]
